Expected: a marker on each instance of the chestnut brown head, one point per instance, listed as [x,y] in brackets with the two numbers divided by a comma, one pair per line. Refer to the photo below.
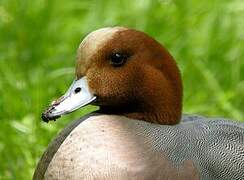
[125,72]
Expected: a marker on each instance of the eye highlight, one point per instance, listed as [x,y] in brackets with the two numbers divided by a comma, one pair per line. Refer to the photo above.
[118,59]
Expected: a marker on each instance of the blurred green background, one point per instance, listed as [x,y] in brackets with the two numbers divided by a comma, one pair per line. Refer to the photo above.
[38,42]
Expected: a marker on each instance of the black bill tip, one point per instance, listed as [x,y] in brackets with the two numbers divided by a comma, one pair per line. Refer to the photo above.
[46,118]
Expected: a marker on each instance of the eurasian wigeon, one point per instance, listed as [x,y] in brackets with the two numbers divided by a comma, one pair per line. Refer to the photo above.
[139,131]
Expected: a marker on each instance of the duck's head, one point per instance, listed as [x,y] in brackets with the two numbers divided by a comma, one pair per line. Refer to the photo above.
[125,72]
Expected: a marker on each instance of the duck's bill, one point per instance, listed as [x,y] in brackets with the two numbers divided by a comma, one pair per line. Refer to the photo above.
[77,96]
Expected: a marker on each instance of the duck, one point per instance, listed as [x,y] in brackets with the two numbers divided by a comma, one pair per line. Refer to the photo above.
[139,131]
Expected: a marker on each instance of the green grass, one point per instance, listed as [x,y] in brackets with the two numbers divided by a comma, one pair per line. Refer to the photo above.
[38,42]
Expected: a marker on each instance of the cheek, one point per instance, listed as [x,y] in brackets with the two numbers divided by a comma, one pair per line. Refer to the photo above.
[110,84]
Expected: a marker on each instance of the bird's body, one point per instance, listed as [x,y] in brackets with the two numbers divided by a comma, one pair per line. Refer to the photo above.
[112,147]
[140,133]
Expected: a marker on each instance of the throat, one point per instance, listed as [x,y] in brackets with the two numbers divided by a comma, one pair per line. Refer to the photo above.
[155,115]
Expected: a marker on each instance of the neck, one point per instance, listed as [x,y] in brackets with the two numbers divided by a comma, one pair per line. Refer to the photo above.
[165,115]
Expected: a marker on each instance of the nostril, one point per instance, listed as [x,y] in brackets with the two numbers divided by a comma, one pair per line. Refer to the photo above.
[77,90]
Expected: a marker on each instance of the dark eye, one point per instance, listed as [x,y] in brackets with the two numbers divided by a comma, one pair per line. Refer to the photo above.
[118,59]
